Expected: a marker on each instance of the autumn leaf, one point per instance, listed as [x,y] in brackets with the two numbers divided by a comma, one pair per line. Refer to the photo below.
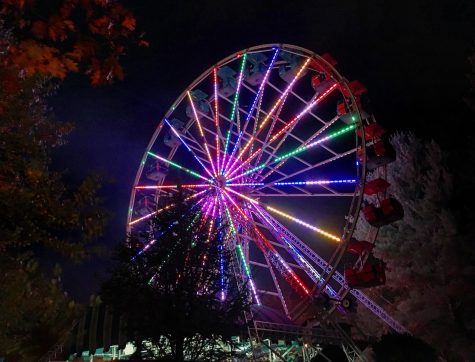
[129,22]
[57,28]
[39,29]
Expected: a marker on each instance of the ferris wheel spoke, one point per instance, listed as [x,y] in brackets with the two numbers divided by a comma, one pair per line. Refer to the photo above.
[271,112]
[299,257]
[287,216]
[289,125]
[303,143]
[188,147]
[240,253]
[296,151]
[321,183]
[176,165]
[148,216]
[200,128]
[257,99]
[218,133]
[234,111]
[312,167]
[260,150]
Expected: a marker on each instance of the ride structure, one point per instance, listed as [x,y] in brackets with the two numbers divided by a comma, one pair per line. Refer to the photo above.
[274,145]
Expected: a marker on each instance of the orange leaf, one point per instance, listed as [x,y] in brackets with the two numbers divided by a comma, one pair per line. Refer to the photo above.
[129,22]
[39,29]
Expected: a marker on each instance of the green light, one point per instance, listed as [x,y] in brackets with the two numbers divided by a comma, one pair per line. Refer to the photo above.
[236,95]
[177,166]
[301,149]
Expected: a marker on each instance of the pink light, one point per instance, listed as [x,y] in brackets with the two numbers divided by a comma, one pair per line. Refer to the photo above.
[169,186]
[306,109]
[198,122]
[216,118]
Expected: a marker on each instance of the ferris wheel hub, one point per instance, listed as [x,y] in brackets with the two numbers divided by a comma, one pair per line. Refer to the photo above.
[220,181]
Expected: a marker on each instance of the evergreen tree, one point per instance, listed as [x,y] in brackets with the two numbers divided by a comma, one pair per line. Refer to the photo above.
[429,262]
[178,294]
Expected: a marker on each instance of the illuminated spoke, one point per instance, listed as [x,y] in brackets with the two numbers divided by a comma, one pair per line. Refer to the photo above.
[200,128]
[271,112]
[310,139]
[145,217]
[234,112]
[187,147]
[281,213]
[296,151]
[158,187]
[257,98]
[287,128]
[176,165]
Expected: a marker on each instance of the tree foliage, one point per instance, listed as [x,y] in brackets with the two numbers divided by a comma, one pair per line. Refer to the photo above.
[429,261]
[54,38]
[41,212]
[403,348]
[170,294]
[34,309]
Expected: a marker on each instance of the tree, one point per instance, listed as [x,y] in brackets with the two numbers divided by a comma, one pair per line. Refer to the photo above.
[174,293]
[429,261]
[35,311]
[40,43]
[54,38]
[403,348]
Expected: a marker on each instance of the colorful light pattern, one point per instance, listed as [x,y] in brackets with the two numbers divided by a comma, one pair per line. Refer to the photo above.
[303,223]
[157,187]
[176,165]
[296,151]
[200,128]
[289,125]
[254,103]
[175,132]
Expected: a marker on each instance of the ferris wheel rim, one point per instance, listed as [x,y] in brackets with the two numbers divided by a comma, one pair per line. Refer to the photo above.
[357,195]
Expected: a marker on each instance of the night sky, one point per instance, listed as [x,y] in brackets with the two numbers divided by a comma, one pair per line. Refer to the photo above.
[411,55]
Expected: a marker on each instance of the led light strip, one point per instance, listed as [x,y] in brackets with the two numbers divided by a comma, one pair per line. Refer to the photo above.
[285,128]
[298,221]
[233,111]
[261,126]
[248,273]
[249,114]
[317,142]
[164,208]
[316,182]
[303,223]
[171,163]
[216,118]
[155,187]
[296,151]
[198,122]
[187,147]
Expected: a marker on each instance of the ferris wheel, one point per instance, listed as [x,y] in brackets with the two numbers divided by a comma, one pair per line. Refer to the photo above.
[273,142]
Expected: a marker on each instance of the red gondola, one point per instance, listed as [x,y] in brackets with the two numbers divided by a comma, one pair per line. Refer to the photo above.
[379,154]
[359,247]
[376,186]
[373,273]
[390,211]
